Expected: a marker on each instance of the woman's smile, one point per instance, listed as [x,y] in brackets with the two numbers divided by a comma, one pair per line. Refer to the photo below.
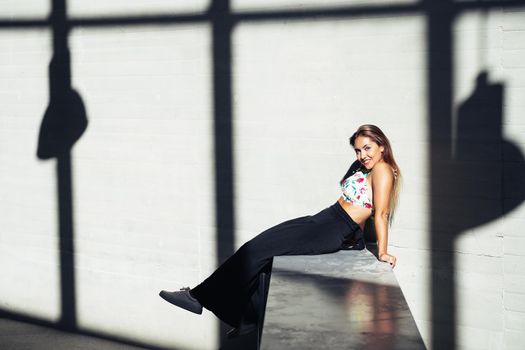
[368,152]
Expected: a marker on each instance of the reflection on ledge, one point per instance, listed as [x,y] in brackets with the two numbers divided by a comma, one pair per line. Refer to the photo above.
[344,300]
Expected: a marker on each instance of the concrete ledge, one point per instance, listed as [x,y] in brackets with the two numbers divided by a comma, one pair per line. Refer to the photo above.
[344,300]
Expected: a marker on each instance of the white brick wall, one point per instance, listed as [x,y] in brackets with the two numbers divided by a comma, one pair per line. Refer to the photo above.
[143,177]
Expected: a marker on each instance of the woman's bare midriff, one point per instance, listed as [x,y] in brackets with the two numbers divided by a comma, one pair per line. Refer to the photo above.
[357,213]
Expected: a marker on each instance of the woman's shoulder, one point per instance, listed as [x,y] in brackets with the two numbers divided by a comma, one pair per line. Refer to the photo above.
[382,170]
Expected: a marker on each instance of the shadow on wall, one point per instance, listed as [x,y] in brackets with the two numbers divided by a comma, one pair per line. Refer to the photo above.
[493,168]
[223,136]
[65,121]
[480,142]
[63,124]
[479,181]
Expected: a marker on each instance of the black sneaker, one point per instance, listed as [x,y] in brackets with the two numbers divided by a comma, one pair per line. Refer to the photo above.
[182,299]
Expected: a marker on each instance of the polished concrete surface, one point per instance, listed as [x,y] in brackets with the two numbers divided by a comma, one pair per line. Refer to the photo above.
[344,300]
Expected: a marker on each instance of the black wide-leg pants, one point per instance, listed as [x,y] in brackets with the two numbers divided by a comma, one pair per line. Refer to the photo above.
[228,291]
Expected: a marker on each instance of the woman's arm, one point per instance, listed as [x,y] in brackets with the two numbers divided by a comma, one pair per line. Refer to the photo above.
[382,185]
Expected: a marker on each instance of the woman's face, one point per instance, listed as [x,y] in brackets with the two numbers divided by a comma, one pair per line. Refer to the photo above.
[368,152]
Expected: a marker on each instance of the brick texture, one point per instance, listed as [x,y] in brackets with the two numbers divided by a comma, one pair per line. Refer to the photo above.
[143,178]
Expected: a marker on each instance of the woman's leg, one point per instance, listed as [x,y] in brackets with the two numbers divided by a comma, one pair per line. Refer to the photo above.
[228,290]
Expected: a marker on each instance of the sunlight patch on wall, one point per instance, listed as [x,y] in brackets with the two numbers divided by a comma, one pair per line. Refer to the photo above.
[144,179]
[22,9]
[302,88]
[102,8]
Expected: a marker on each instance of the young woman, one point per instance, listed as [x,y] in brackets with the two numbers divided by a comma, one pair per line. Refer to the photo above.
[369,188]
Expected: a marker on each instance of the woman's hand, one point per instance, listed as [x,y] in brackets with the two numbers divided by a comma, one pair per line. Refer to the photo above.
[389,259]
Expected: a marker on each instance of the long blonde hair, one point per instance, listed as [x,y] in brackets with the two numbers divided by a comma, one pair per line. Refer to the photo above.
[376,135]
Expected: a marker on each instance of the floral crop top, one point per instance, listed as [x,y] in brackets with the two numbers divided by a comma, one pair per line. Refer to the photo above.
[355,190]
